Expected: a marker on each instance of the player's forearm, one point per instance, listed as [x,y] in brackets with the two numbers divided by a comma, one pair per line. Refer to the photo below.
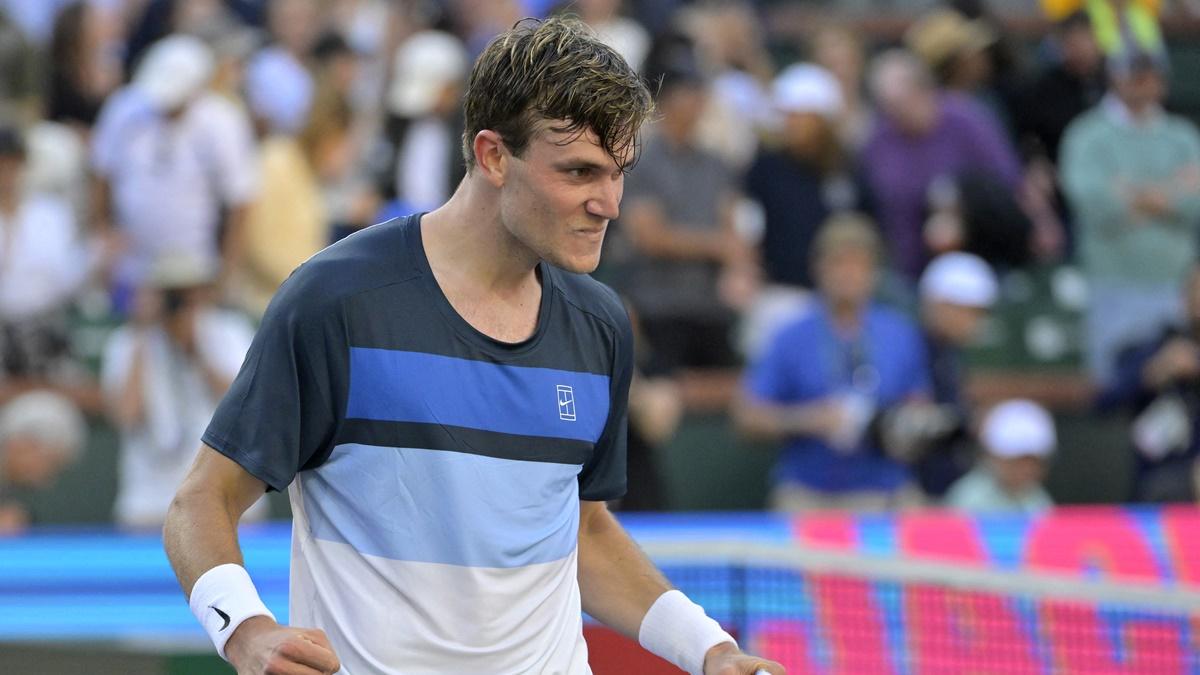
[200,533]
[617,582]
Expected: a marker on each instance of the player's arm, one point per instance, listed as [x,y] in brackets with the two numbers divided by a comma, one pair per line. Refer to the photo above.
[623,589]
[200,537]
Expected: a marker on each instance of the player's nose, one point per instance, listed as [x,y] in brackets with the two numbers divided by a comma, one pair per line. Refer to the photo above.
[606,203]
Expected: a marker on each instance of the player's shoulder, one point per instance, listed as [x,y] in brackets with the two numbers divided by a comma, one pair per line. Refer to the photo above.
[371,258]
[590,297]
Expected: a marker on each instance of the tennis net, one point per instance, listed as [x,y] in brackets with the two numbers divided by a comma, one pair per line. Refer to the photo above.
[820,611]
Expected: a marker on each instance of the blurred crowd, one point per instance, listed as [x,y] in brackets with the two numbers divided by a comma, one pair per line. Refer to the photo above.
[828,215]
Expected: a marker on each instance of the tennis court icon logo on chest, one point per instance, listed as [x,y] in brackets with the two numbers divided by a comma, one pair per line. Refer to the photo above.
[566,402]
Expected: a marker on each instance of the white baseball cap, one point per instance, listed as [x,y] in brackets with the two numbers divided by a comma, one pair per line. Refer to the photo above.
[959,279]
[424,64]
[174,69]
[1018,428]
[804,87]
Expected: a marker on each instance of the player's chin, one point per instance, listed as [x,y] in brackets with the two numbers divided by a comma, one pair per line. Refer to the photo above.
[579,262]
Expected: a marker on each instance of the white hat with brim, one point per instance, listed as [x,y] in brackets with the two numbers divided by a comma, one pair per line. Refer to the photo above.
[959,279]
[174,70]
[425,64]
[804,87]
[1018,428]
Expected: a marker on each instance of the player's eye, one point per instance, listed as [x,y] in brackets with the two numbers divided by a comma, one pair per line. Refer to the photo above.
[579,172]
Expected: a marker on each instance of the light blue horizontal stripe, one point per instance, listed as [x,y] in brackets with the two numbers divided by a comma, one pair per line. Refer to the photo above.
[400,386]
[444,507]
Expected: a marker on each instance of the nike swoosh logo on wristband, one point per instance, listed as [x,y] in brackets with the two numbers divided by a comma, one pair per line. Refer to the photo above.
[221,614]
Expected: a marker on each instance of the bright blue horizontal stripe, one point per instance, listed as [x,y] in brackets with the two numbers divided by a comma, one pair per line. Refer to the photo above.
[444,507]
[400,386]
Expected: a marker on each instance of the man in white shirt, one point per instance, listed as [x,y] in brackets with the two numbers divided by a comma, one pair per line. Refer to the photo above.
[170,158]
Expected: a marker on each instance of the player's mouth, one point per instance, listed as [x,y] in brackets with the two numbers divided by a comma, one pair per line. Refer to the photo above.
[592,233]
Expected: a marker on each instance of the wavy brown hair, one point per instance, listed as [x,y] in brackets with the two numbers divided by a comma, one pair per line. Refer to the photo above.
[556,70]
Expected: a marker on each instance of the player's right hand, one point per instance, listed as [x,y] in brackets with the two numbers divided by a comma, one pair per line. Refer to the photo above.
[262,647]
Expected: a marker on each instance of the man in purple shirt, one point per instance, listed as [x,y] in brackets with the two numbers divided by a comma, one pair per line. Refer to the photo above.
[922,136]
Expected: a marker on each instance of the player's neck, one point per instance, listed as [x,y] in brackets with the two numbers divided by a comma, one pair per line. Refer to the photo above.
[465,236]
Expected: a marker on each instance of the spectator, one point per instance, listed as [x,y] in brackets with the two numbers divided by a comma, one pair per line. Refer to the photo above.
[43,265]
[840,51]
[921,138]
[729,41]
[174,163]
[1132,175]
[1055,98]
[233,44]
[288,221]
[956,290]
[1063,91]
[1018,438]
[1118,24]
[347,184]
[624,35]
[1159,381]
[679,203]
[798,186]
[163,376]
[41,434]
[19,73]
[295,26]
[955,49]
[82,70]
[424,124]
[825,376]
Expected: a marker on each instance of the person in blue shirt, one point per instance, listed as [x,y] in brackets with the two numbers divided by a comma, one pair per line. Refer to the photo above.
[825,377]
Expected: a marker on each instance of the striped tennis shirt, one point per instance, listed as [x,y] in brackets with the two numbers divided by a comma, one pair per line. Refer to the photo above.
[435,473]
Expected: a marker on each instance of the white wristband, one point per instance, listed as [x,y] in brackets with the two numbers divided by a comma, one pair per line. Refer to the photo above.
[222,599]
[679,631]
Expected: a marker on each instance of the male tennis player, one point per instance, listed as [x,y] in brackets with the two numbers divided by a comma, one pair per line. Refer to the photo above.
[446,397]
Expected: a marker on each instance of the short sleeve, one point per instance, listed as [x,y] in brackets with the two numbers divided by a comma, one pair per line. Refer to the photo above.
[283,409]
[603,476]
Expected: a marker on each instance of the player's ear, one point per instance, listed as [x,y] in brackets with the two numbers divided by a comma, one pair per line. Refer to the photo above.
[491,156]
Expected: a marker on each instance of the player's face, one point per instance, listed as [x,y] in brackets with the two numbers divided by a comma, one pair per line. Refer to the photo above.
[559,197]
